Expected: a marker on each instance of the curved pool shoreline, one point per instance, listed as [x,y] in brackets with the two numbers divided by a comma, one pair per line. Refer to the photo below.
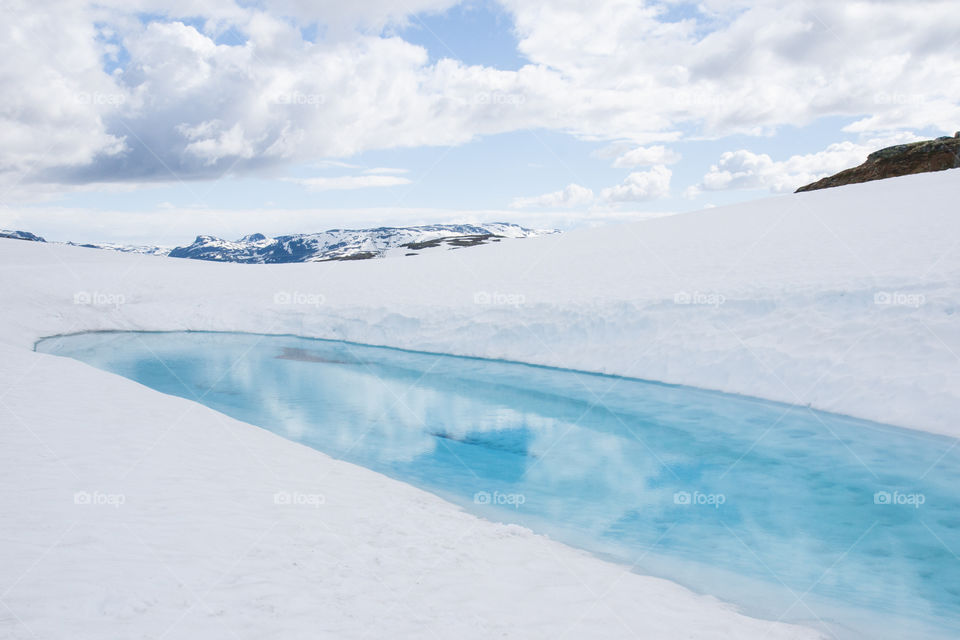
[866,422]
[543,372]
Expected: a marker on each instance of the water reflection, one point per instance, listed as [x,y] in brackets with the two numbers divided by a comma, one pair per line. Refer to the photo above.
[711,490]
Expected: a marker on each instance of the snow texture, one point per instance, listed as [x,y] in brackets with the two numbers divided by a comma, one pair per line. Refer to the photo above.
[844,299]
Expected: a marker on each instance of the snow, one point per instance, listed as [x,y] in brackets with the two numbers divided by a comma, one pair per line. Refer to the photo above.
[178,535]
[844,299]
[126,248]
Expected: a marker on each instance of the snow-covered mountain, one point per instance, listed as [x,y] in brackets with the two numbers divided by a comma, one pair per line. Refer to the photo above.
[336,244]
[125,248]
[350,244]
[26,235]
[20,235]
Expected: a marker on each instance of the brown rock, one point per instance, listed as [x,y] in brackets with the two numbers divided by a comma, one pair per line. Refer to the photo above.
[900,160]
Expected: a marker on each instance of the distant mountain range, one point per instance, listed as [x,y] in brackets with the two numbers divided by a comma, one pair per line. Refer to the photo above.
[336,244]
[20,235]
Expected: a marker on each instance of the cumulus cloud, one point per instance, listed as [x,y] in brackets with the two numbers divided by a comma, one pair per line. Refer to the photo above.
[368,14]
[743,169]
[57,97]
[748,67]
[211,141]
[189,103]
[145,90]
[640,186]
[740,169]
[573,195]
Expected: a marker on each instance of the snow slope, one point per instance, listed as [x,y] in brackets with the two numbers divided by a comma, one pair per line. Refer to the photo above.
[128,513]
[844,299]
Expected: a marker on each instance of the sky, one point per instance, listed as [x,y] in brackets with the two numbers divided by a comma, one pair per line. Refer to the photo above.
[151,122]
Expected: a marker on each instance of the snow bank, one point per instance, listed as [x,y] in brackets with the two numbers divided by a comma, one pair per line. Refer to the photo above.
[128,513]
[136,513]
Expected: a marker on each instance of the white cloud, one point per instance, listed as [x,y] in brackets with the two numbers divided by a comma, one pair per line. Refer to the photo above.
[350,182]
[56,95]
[751,66]
[189,103]
[740,169]
[211,142]
[647,157]
[368,14]
[743,169]
[573,195]
[187,106]
[641,185]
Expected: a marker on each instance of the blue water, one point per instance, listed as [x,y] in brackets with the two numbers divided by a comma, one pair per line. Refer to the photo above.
[778,509]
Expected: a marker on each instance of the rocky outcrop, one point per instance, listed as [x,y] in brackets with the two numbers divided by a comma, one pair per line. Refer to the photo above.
[900,160]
